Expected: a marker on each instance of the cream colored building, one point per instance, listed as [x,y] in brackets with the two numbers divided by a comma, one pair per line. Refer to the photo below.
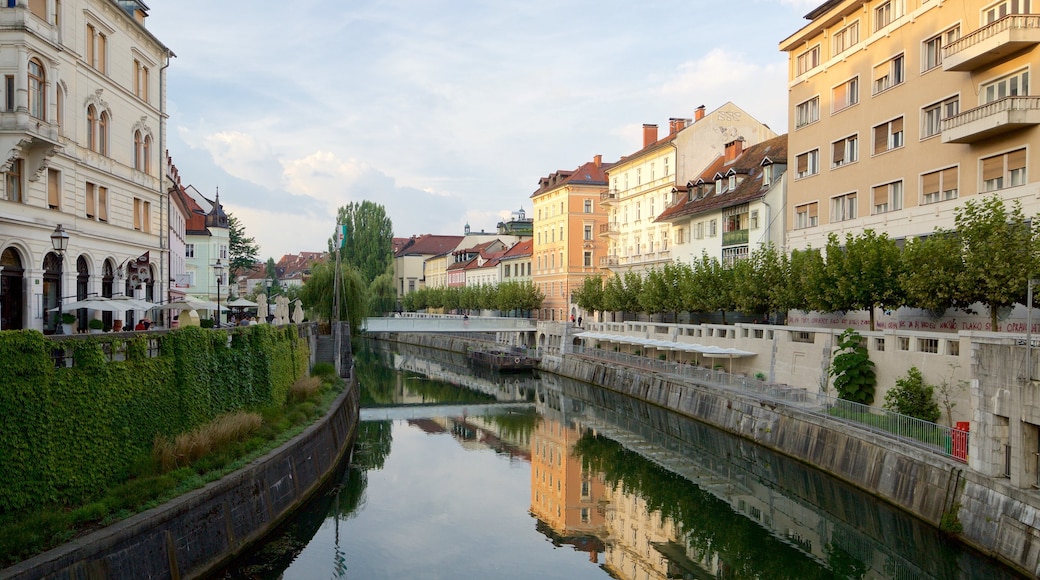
[81,131]
[567,247]
[901,110]
[642,184]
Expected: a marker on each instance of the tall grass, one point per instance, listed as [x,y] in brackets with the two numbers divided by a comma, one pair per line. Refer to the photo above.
[189,447]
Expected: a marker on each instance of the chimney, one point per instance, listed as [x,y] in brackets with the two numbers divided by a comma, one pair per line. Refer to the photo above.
[649,134]
[734,149]
[675,125]
[598,160]
[698,114]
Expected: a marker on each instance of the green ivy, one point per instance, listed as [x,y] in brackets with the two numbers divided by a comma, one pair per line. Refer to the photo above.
[66,434]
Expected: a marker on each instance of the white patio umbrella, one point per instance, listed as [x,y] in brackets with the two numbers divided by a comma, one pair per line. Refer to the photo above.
[242,303]
[191,303]
[96,303]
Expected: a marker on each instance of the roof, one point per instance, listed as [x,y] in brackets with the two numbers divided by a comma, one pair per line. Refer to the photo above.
[428,245]
[524,249]
[748,165]
[591,173]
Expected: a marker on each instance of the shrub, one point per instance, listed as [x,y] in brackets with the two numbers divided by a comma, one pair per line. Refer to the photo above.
[302,389]
[913,397]
[206,323]
[852,369]
[190,446]
[95,324]
[67,318]
[324,370]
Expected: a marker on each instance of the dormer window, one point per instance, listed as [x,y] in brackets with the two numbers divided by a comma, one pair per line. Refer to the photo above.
[718,185]
[732,182]
[767,174]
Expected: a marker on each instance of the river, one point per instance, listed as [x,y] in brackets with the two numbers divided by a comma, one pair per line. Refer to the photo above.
[461,473]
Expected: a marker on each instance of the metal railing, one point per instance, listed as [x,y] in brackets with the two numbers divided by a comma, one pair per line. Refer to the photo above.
[938,439]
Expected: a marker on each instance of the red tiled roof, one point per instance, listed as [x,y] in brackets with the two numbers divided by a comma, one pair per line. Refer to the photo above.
[520,250]
[748,165]
[590,173]
[428,245]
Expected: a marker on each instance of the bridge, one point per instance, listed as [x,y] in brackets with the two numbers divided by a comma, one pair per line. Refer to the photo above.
[417,322]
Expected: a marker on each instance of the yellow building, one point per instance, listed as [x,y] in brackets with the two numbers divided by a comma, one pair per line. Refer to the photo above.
[566,241]
[642,184]
[901,110]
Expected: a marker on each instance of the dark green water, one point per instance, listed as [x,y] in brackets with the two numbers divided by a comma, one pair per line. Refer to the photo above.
[524,477]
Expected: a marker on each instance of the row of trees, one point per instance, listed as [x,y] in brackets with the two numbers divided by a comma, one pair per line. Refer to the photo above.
[516,297]
[987,258]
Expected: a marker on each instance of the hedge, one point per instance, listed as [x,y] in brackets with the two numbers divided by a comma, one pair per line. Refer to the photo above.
[69,433]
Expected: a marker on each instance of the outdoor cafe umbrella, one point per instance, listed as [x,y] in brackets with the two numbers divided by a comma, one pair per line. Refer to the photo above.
[241,303]
[191,303]
[100,303]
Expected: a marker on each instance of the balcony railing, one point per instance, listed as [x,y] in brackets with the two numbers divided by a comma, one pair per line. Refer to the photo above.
[992,42]
[608,197]
[1001,116]
[609,228]
[608,261]
[735,237]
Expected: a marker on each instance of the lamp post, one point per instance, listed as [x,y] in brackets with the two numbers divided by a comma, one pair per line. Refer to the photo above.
[60,243]
[219,269]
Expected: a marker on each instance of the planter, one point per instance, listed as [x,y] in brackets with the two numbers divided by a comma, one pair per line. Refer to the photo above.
[68,328]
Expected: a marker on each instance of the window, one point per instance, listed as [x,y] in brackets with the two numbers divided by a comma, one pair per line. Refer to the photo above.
[731,255]
[845,151]
[713,228]
[588,232]
[888,197]
[223,252]
[146,154]
[588,206]
[96,202]
[53,189]
[37,90]
[680,235]
[931,49]
[59,102]
[13,182]
[807,112]
[939,185]
[808,60]
[698,231]
[888,136]
[96,48]
[639,176]
[140,80]
[142,215]
[843,207]
[1006,170]
[845,95]
[845,38]
[932,116]
[805,216]
[732,182]
[102,133]
[888,12]
[666,170]
[8,92]
[754,219]
[102,203]
[767,174]
[1012,85]
[92,128]
[888,74]
[808,163]
[588,259]
[1002,9]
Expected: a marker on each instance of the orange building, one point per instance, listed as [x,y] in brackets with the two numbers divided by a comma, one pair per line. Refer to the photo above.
[567,244]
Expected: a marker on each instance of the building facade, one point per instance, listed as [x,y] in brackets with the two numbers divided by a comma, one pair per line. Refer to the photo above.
[81,128]
[566,246]
[903,110]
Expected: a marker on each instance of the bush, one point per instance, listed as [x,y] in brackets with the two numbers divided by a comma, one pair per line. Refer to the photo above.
[324,370]
[207,323]
[67,318]
[913,397]
[95,324]
[852,369]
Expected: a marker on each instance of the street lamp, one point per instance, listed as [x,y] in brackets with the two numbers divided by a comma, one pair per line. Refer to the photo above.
[219,269]
[60,243]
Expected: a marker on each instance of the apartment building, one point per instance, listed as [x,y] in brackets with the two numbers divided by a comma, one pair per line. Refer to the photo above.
[901,110]
[81,112]
[410,260]
[566,247]
[641,184]
[734,207]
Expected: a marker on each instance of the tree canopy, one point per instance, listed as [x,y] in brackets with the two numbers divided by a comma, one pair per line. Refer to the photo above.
[368,246]
[242,250]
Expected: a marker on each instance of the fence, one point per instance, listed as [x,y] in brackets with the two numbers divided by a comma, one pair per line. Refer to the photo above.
[939,439]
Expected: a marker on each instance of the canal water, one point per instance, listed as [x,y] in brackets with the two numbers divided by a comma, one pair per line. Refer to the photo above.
[460,473]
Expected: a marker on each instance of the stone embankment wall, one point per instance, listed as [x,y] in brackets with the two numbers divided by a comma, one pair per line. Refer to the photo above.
[995,518]
[200,531]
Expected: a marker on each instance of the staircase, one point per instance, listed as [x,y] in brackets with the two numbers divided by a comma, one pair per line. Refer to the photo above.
[326,349]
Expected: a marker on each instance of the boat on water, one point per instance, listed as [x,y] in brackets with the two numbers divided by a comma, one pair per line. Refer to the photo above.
[503,360]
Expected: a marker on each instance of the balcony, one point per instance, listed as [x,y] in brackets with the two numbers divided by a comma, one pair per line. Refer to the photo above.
[992,119]
[609,229]
[734,238]
[608,261]
[992,42]
[608,197]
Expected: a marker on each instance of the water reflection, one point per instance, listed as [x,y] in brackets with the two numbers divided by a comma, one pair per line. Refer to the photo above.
[581,483]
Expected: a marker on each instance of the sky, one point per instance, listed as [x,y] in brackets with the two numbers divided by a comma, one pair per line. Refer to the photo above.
[445,112]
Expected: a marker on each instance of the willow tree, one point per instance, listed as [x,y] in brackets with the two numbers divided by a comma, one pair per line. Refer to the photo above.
[368,245]
[319,293]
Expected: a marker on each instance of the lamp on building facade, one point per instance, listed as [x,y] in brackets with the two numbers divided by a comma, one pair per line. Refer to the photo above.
[60,243]
[219,269]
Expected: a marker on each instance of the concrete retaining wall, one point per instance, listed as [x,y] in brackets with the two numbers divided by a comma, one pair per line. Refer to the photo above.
[997,519]
[199,531]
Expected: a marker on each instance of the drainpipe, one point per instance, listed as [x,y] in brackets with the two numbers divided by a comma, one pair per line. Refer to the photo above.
[164,196]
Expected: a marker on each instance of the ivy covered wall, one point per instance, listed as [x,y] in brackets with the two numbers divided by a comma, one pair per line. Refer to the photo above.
[67,433]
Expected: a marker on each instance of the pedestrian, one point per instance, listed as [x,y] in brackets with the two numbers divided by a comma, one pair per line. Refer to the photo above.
[579,321]
[572,319]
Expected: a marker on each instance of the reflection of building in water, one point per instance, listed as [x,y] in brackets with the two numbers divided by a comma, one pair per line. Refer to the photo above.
[505,388]
[564,497]
[475,433]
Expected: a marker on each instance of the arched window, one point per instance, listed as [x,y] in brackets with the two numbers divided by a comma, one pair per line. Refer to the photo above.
[37,89]
[146,154]
[60,102]
[92,128]
[138,150]
[103,133]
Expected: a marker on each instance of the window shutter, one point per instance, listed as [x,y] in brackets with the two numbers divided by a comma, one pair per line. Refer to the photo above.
[880,139]
[1016,159]
[993,168]
[880,194]
[949,179]
[803,163]
[53,189]
[930,183]
[813,208]
[897,126]
[839,152]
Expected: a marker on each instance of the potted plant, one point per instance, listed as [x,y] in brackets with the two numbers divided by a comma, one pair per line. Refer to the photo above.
[67,322]
[206,323]
[96,326]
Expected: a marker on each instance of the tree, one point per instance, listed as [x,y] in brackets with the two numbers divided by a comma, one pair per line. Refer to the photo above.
[913,397]
[852,369]
[614,297]
[271,273]
[999,254]
[653,297]
[242,250]
[382,297]
[589,296]
[871,272]
[931,268]
[368,245]
[318,294]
